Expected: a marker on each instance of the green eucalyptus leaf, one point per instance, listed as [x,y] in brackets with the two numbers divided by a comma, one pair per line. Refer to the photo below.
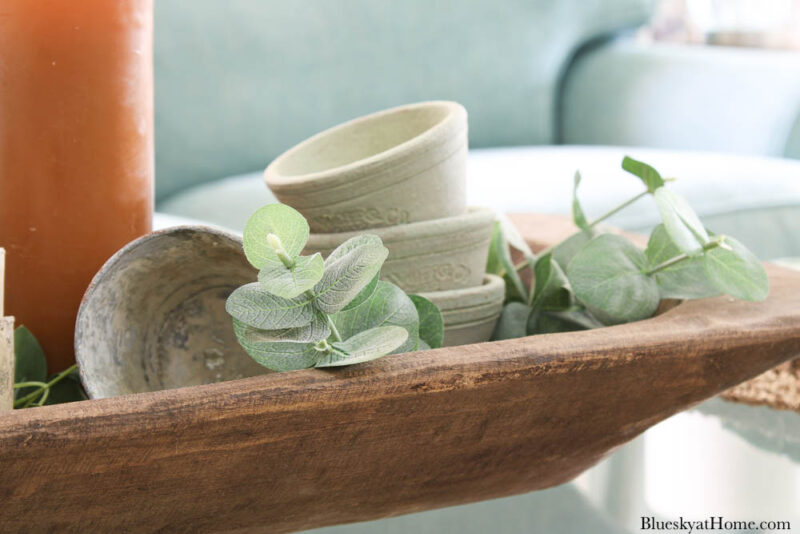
[30,364]
[365,294]
[578,217]
[423,346]
[514,238]
[351,244]
[501,264]
[288,283]
[680,221]
[607,276]
[687,279]
[348,271]
[316,330]
[553,322]
[365,346]
[431,323]
[651,178]
[566,250]
[494,262]
[388,306]
[280,356]
[512,322]
[255,306]
[281,220]
[552,291]
[736,271]
[67,390]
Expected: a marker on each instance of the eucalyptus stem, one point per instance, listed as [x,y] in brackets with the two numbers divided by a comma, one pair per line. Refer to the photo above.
[521,265]
[617,209]
[336,335]
[43,389]
[37,384]
[681,257]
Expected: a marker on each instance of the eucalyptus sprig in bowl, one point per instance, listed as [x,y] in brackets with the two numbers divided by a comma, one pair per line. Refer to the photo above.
[308,312]
[596,278]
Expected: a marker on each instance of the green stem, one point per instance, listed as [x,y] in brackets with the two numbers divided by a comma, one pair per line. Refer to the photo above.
[681,257]
[521,265]
[19,385]
[336,335]
[30,397]
[44,397]
[618,208]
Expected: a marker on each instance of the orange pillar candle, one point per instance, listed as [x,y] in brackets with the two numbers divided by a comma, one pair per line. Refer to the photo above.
[76,152]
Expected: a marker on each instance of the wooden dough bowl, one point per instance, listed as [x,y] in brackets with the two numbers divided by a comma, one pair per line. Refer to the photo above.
[406,433]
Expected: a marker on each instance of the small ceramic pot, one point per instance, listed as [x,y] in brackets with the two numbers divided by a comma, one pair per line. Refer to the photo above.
[398,166]
[432,255]
[470,314]
[154,316]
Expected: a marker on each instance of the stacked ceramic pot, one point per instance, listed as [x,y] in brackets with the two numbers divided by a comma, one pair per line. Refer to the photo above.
[401,174]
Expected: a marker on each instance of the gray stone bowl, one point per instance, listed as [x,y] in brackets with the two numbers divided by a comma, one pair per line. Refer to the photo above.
[437,255]
[397,166]
[154,315]
[470,314]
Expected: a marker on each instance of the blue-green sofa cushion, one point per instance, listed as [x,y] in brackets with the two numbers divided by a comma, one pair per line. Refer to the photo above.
[240,81]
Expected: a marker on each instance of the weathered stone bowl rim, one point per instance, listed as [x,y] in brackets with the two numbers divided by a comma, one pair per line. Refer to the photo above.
[110,267]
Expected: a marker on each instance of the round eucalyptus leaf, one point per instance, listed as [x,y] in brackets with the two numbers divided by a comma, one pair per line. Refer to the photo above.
[736,271]
[651,178]
[316,330]
[278,219]
[431,323]
[512,322]
[369,240]
[687,279]
[551,289]
[554,322]
[388,306]
[607,276]
[566,250]
[288,283]
[348,273]
[278,356]
[421,345]
[513,237]
[255,306]
[30,364]
[500,263]
[365,346]
[578,217]
[680,221]
[365,294]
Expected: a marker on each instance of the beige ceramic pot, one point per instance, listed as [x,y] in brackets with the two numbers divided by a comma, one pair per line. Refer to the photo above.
[432,255]
[154,316]
[470,314]
[398,166]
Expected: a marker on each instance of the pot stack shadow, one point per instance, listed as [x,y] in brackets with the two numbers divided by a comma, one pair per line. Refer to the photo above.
[401,174]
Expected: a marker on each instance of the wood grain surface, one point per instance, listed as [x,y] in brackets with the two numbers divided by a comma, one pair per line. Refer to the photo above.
[402,434]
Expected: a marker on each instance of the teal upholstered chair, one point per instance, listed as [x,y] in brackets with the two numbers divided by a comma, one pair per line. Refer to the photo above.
[239,82]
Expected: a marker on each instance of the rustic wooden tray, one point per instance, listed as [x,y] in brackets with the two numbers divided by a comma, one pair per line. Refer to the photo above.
[402,434]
